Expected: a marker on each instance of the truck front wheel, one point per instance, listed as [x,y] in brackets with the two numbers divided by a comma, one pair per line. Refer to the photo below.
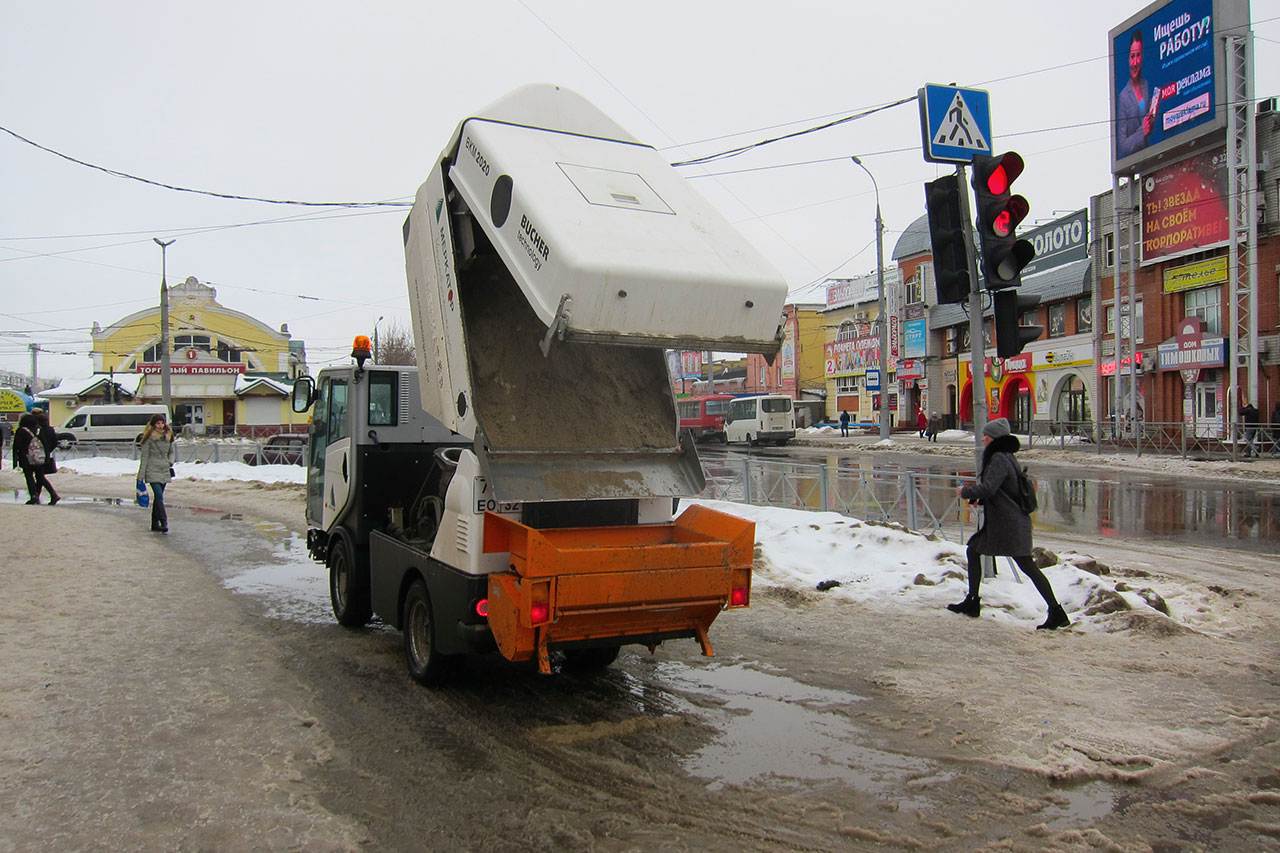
[426,664]
[348,586]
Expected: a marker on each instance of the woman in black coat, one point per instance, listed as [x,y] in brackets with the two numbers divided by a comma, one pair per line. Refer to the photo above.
[28,431]
[1006,529]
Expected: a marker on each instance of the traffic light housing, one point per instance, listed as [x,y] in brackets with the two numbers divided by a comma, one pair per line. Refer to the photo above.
[1003,255]
[1008,306]
[946,237]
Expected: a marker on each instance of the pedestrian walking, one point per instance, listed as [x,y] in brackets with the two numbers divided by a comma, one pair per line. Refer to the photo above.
[844,423]
[29,455]
[1249,418]
[49,441]
[1006,528]
[935,427]
[155,467]
[922,421]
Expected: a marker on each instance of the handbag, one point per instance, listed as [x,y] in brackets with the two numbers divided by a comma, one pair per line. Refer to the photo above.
[140,494]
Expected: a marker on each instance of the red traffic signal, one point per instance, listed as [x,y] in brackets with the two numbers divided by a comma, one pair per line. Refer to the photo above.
[1003,256]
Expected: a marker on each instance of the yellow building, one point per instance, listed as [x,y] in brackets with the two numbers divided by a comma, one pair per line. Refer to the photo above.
[229,372]
[853,346]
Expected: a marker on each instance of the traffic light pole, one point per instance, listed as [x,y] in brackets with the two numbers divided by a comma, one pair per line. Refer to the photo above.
[977,340]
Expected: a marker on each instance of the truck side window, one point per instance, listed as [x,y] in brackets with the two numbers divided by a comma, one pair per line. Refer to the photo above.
[382,398]
[320,425]
[338,428]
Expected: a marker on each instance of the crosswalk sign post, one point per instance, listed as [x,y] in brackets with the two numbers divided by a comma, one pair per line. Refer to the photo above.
[955,123]
[955,127]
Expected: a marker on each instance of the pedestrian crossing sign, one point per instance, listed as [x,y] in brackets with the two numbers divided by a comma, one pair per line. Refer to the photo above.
[955,123]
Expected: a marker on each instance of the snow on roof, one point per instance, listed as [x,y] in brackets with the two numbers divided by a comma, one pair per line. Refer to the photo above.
[79,387]
[245,384]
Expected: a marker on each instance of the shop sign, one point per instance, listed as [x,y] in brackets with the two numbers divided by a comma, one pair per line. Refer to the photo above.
[1062,241]
[914,333]
[1062,357]
[1109,367]
[845,357]
[1199,274]
[911,368]
[193,369]
[998,368]
[1189,349]
[12,402]
[1190,375]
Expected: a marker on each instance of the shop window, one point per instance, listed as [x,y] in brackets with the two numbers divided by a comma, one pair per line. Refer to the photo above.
[1084,314]
[1205,303]
[1057,319]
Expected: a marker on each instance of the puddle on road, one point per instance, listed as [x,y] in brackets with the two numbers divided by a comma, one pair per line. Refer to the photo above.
[291,586]
[1085,805]
[773,729]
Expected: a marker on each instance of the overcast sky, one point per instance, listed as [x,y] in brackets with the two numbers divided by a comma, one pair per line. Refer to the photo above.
[312,101]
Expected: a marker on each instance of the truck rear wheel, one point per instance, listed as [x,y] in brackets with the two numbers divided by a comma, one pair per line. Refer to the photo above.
[426,664]
[348,586]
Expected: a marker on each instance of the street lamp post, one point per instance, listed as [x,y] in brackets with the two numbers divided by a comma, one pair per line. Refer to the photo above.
[376,352]
[881,306]
[165,387]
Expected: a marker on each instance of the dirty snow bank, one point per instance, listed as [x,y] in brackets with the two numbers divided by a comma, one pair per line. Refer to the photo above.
[106,466]
[890,566]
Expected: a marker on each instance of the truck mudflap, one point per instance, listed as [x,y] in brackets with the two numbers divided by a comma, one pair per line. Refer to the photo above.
[617,584]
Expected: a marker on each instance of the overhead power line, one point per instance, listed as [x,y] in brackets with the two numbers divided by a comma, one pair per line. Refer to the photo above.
[233,196]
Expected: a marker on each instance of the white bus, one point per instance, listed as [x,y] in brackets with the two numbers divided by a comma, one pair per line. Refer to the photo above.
[757,420]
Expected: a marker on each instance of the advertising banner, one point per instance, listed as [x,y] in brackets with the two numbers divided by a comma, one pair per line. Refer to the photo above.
[913,338]
[230,369]
[1060,242]
[845,357]
[1163,80]
[1184,206]
[1198,274]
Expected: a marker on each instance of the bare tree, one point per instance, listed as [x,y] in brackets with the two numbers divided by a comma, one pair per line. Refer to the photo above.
[395,345]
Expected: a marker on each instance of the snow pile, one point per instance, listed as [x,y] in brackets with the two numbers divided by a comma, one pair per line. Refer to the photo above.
[885,444]
[887,565]
[106,466]
[820,430]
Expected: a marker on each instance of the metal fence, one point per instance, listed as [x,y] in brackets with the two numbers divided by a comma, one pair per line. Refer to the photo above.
[1162,437]
[924,502]
[226,450]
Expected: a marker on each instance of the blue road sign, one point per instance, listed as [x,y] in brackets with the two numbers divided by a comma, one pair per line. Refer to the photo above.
[955,123]
[873,379]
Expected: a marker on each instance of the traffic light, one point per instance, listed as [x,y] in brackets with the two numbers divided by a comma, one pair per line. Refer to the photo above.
[1008,306]
[946,236]
[1003,255]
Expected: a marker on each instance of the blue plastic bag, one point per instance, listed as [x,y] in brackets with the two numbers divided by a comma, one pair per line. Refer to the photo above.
[142,497]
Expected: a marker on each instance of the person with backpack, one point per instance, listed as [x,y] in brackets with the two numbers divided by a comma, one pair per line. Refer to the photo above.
[155,467]
[1008,500]
[30,454]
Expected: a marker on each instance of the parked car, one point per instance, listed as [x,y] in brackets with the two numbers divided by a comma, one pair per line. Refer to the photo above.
[108,423]
[282,449]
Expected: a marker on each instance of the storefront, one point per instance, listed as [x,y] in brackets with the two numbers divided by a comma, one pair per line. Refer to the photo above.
[1064,385]
[1199,361]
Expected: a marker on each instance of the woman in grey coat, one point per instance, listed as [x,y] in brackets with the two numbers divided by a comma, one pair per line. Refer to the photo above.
[155,467]
[1006,529]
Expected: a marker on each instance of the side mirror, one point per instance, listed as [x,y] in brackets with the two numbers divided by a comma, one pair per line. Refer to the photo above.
[304,393]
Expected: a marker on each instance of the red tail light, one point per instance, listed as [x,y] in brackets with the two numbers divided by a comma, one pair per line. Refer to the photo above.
[538,613]
[739,596]
[482,608]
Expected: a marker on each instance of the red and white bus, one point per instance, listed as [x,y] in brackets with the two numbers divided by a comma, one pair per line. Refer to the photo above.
[704,415]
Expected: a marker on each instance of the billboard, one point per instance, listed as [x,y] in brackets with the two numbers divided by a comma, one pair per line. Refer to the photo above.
[1168,76]
[1060,242]
[914,334]
[1184,206]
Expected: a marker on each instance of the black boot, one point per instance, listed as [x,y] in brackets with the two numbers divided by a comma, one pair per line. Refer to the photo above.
[971,606]
[1057,619]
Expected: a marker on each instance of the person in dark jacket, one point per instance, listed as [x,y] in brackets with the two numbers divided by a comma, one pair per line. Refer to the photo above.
[1249,418]
[49,440]
[844,423]
[1006,529]
[27,432]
